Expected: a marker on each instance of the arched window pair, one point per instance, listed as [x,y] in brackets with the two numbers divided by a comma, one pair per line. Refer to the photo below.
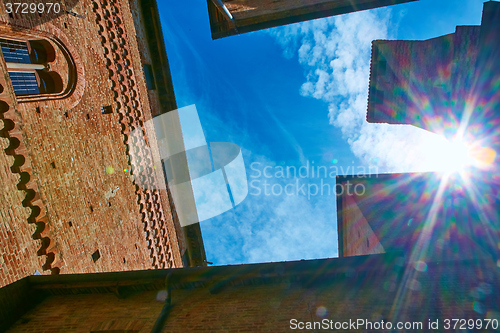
[28,63]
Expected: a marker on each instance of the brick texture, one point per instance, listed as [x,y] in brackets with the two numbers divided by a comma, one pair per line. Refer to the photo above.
[267,301]
[91,313]
[416,82]
[68,185]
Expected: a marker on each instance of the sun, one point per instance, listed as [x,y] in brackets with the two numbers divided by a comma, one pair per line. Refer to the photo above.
[457,155]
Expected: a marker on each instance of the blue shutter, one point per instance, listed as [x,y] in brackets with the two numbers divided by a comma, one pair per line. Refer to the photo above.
[15,51]
[24,83]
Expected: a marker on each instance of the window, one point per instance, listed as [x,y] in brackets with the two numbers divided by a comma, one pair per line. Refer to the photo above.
[106,109]
[24,83]
[96,255]
[15,51]
[150,79]
[27,65]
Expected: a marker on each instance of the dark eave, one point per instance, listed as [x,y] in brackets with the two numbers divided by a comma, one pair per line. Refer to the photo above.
[222,26]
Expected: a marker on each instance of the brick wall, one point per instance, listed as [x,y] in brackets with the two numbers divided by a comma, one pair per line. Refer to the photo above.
[424,83]
[266,302]
[18,249]
[77,161]
[91,313]
[358,236]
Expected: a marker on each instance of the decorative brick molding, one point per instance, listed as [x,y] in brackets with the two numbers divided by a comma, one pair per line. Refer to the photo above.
[122,74]
[22,167]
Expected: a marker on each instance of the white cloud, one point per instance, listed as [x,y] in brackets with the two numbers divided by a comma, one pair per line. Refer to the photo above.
[296,229]
[336,52]
[265,228]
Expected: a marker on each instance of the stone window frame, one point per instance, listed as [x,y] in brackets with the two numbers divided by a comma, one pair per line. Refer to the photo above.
[40,54]
[75,86]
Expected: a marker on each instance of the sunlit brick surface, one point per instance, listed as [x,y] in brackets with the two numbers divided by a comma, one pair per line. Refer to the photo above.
[66,191]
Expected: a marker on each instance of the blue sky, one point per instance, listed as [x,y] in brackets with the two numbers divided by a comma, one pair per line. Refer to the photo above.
[292,96]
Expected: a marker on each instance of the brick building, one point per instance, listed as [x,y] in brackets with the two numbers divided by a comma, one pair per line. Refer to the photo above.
[232,17]
[451,278]
[271,297]
[438,83]
[70,205]
[74,87]
[429,215]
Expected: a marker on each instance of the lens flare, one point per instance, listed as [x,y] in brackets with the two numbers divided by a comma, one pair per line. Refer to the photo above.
[457,155]
[483,157]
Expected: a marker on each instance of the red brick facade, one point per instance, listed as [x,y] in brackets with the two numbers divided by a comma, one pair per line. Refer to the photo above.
[67,183]
[424,215]
[266,297]
[433,84]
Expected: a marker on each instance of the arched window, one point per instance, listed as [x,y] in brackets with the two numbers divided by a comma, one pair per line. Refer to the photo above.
[28,65]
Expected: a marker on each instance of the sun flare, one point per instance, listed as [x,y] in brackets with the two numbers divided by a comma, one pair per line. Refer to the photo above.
[457,155]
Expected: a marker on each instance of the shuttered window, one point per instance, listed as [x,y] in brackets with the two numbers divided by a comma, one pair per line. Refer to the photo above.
[15,51]
[24,83]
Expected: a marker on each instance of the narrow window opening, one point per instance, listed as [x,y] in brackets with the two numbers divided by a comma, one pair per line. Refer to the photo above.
[66,114]
[91,209]
[106,109]
[37,109]
[124,260]
[88,117]
[135,246]
[70,224]
[96,255]
[53,165]
[150,79]
[109,204]
[65,25]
